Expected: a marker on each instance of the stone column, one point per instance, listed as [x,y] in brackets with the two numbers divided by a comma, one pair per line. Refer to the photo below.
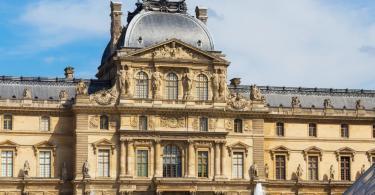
[217,159]
[122,159]
[130,157]
[158,160]
[191,160]
[222,159]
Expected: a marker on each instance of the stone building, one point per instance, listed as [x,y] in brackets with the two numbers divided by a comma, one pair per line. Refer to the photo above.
[161,119]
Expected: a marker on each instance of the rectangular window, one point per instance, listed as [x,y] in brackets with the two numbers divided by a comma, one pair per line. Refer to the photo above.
[45,164]
[203,164]
[313,167]
[237,169]
[280,129]
[44,123]
[7,164]
[8,122]
[238,126]
[312,130]
[103,163]
[345,130]
[142,163]
[373,159]
[280,167]
[345,168]
[203,124]
[373,131]
[143,123]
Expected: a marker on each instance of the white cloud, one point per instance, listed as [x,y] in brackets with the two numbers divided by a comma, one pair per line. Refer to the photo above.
[269,42]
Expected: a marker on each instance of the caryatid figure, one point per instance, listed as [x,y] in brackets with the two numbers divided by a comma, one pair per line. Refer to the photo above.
[156,84]
[188,85]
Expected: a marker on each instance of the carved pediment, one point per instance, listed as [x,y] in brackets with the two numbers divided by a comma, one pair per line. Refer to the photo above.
[370,153]
[45,145]
[175,49]
[238,146]
[345,151]
[103,143]
[280,150]
[9,145]
[312,150]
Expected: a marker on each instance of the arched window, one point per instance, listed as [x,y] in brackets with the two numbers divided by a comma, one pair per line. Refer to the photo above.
[172,161]
[104,122]
[141,89]
[202,87]
[171,86]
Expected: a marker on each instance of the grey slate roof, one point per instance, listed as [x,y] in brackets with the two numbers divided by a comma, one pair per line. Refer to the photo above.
[313,97]
[44,88]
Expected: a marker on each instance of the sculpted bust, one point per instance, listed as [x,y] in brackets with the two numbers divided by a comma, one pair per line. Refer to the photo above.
[81,88]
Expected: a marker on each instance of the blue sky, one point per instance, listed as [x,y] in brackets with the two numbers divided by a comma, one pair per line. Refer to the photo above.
[310,43]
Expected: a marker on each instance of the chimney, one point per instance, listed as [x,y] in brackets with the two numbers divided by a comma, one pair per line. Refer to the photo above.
[116,26]
[69,73]
[201,14]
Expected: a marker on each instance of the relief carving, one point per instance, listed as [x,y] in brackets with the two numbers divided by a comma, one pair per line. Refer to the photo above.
[94,122]
[81,88]
[212,124]
[247,126]
[133,121]
[237,101]
[176,52]
[229,124]
[104,97]
[195,123]
[151,123]
[172,122]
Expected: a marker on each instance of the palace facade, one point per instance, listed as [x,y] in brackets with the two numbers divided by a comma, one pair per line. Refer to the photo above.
[161,119]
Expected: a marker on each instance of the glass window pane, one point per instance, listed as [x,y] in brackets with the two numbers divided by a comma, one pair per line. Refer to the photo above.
[45,164]
[7,164]
[171,161]
[141,88]
[202,87]
[103,163]
[172,86]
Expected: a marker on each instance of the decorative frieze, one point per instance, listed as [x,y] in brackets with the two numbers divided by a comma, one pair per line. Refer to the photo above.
[172,122]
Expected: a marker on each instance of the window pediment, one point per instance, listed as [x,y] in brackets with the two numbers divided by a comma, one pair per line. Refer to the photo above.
[9,145]
[103,143]
[345,151]
[45,145]
[313,150]
[238,146]
[370,153]
[280,150]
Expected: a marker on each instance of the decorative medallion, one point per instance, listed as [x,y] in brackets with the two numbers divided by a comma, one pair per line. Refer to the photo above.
[133,121]
[229,124]
[94,122]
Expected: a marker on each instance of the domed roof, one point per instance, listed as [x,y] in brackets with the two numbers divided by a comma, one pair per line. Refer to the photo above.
[148,28]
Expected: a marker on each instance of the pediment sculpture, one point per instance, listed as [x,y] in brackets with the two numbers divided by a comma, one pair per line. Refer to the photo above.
[255,94]
[238,102]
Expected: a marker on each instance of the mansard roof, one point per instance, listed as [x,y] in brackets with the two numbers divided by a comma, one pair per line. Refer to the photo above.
[44,88]
[313,97]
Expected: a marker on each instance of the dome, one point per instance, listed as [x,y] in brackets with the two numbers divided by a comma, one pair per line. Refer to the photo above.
[148,28]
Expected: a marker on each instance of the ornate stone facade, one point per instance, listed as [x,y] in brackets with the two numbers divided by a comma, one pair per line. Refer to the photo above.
[161,119]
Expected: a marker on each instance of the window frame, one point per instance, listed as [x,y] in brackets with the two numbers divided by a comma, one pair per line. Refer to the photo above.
[143,123]
[373,131]
[236,167]
[313,130]
[200,159]
[345,130]
[40,169]
[144,163]
[101,163]
[280,129]
[102,125]
[283,168]
[315,170]
[201,87]
[7,164]
[45,127]
[171,86]
[142,85]
[6,127]
[177,157]
[347,176]
[203,124]
[238,125]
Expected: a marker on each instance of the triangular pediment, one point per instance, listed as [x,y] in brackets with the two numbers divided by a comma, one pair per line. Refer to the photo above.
[239,145]
[280,149]
[175,49]
[345,150]
[8,143]
[372,151]
[103,142]
[44,144]
[313,149]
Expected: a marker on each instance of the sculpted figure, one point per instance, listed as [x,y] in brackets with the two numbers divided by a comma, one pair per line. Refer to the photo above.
[27,94]
[188,84]
[363,169]
[254,171]
[222,85]
[156,82]
[64,172]
[63,95]
[255,93]
[358,105]
[331,173]
[299,171]
[327,103]
[81,88]
[125,80]
[85,170]
[266,170]
[26,169]
[215,85]
[296,102]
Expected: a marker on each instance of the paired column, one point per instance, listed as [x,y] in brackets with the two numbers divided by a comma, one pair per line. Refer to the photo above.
[191,160]
[122,159]
[158,160]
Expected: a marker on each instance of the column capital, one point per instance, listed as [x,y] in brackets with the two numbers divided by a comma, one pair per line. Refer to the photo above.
[220,142]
